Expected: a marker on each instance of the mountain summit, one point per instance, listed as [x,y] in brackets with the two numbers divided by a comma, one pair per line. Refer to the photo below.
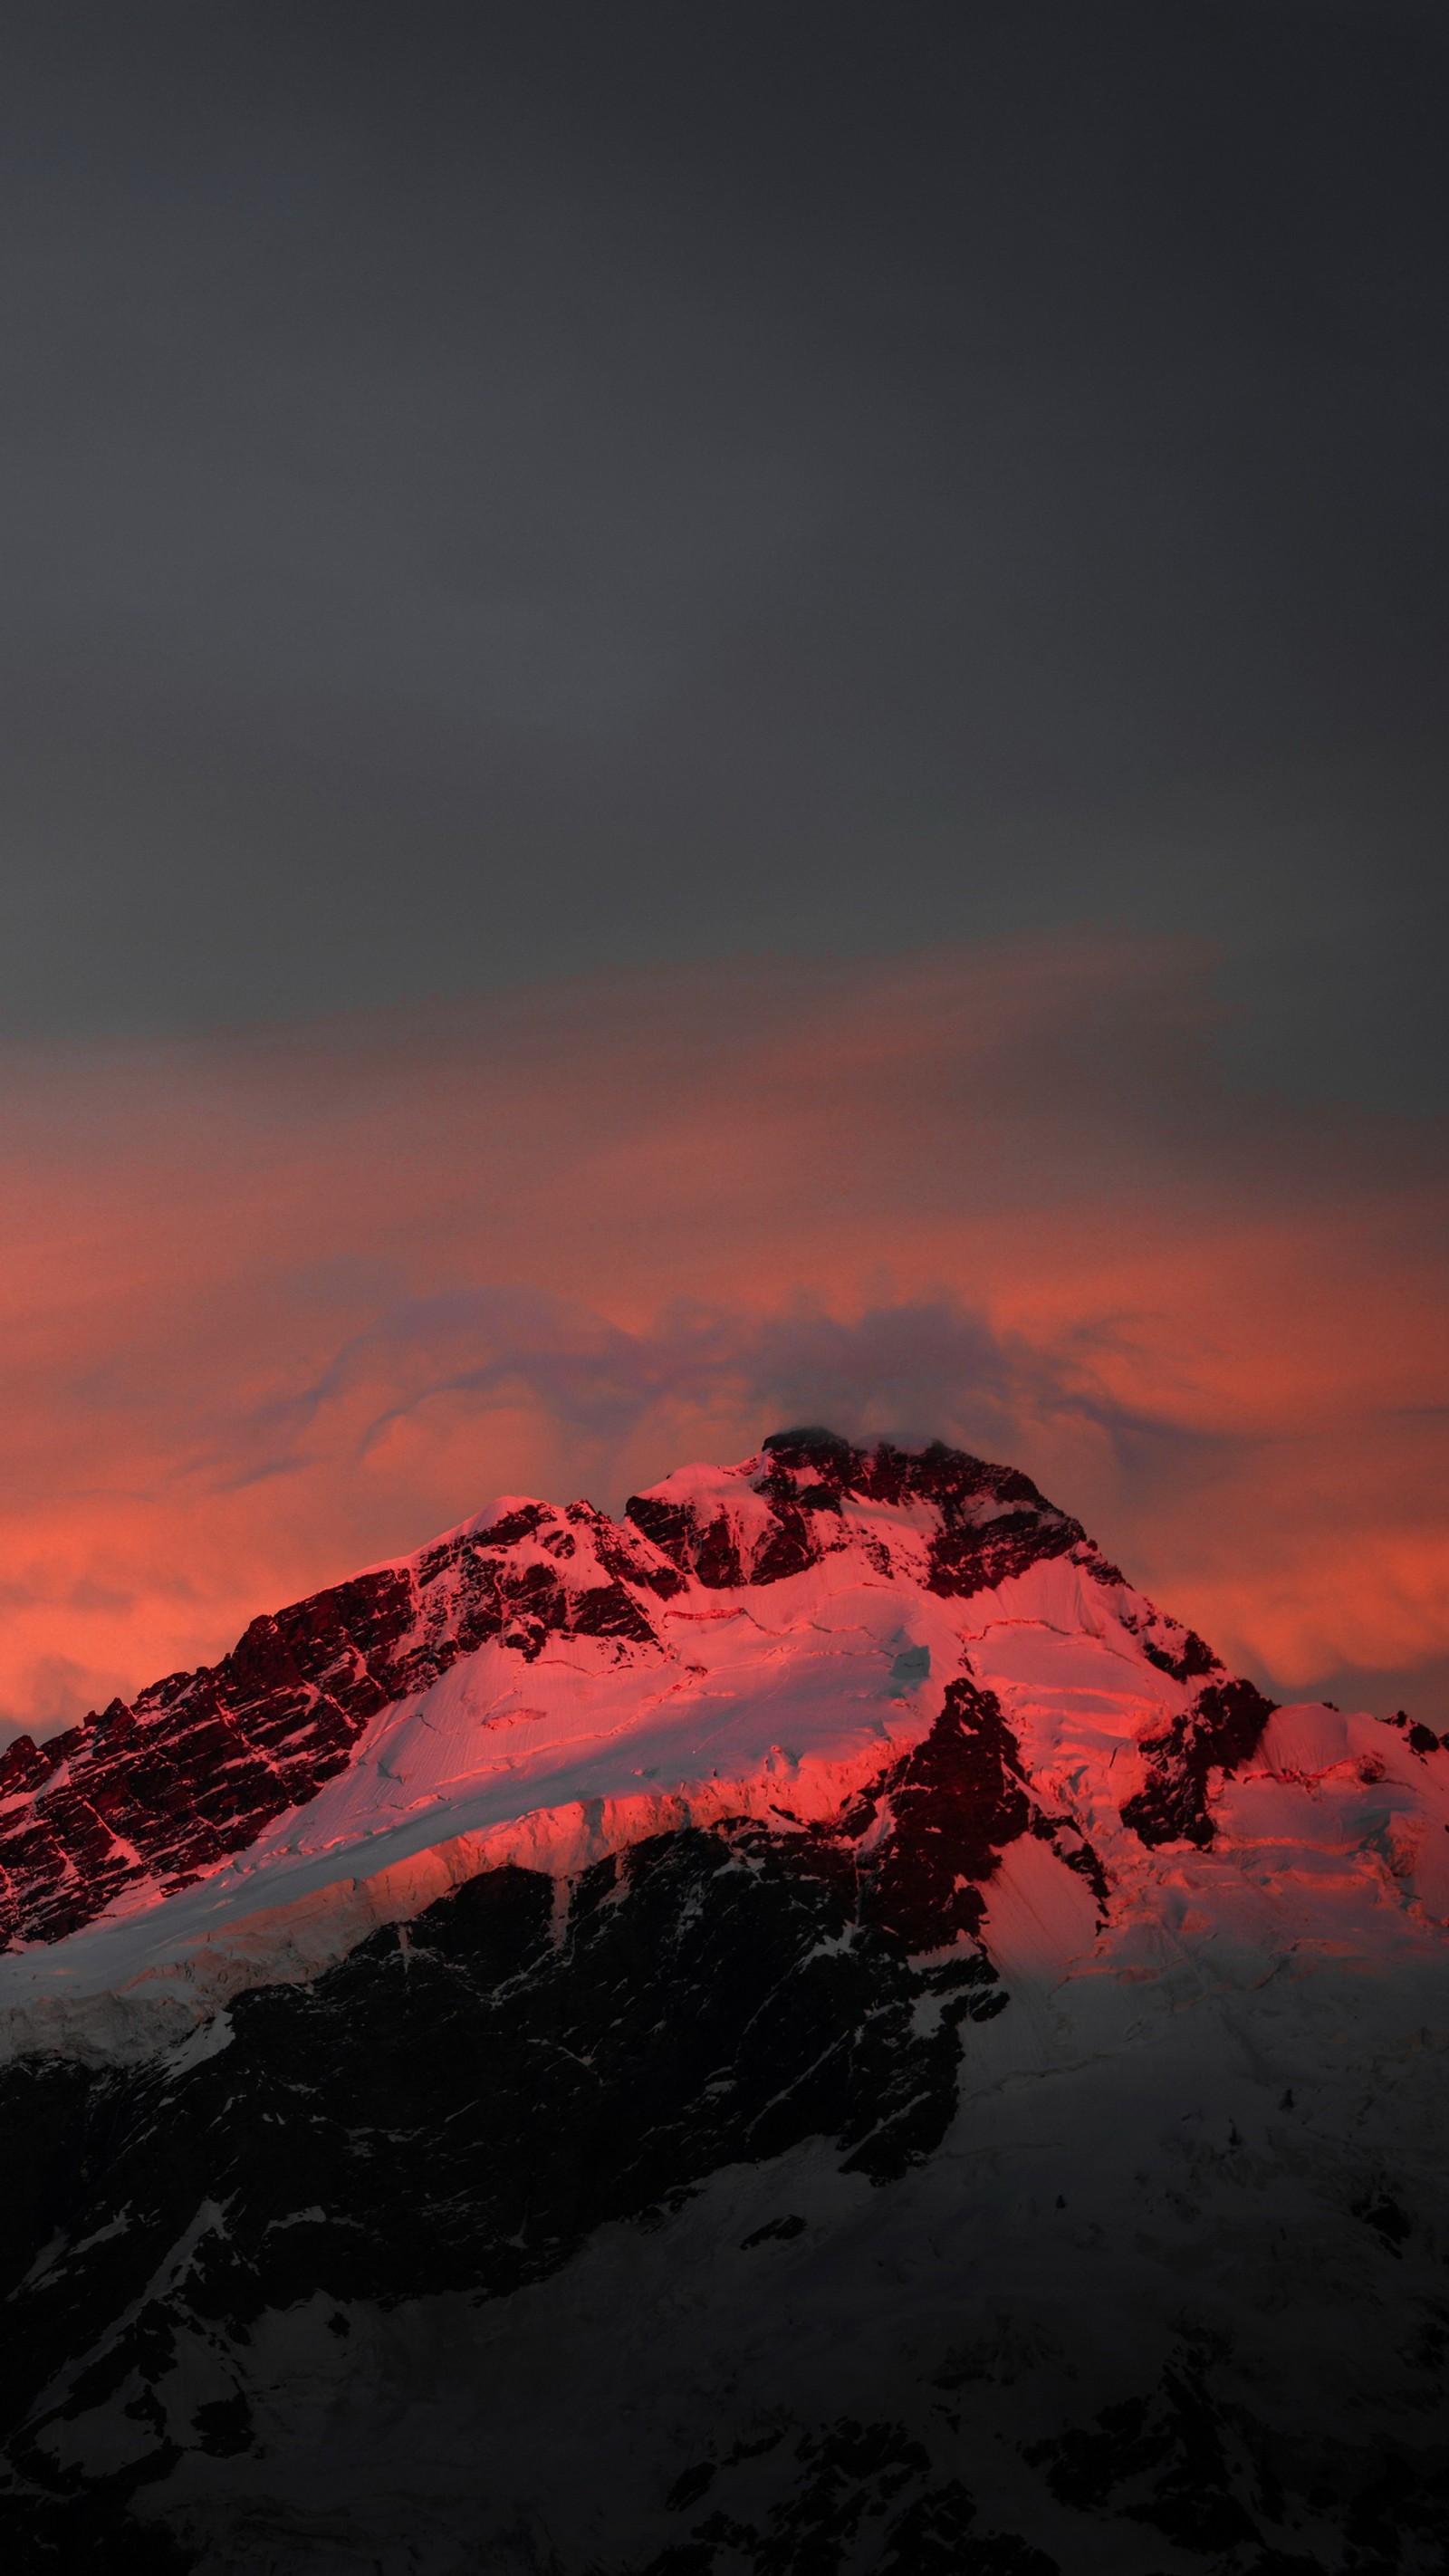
[810,2027]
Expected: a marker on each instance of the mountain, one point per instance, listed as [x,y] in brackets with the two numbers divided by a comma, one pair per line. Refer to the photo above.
[809,2031]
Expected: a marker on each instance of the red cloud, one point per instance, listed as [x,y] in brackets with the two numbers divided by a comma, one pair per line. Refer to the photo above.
[276,1305]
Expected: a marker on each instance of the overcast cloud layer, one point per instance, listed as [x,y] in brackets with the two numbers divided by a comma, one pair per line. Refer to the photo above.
[488,492]
[282,1306]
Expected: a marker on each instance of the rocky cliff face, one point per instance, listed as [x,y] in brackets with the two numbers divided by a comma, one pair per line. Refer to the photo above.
[810,2029]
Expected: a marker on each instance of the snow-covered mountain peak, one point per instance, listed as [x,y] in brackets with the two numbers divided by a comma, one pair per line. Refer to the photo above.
[780,1639]
[950,1521]
[554,1617]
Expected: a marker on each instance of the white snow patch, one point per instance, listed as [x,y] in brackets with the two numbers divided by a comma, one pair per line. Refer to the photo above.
[1041,1916]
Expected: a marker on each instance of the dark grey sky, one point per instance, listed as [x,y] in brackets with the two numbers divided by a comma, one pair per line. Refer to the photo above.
[493,489]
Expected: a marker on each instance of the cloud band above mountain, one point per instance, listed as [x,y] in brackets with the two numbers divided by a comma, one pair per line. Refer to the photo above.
[283,1304]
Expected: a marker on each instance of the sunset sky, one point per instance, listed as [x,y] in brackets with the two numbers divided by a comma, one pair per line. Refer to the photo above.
[716,717]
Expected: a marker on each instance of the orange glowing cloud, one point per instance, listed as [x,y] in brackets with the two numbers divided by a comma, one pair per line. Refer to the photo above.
[280,1304]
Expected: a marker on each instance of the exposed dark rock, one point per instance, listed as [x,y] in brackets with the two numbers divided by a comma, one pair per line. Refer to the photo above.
[783,2228]
[1421,1739]
[957,1801]
[1221,1729]
[993,1521]
[1186,1660]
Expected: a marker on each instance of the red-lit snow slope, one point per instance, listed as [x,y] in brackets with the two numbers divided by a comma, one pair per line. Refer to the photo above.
[778,1639]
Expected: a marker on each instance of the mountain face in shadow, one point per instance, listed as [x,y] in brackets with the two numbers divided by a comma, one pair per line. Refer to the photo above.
[810,2029]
